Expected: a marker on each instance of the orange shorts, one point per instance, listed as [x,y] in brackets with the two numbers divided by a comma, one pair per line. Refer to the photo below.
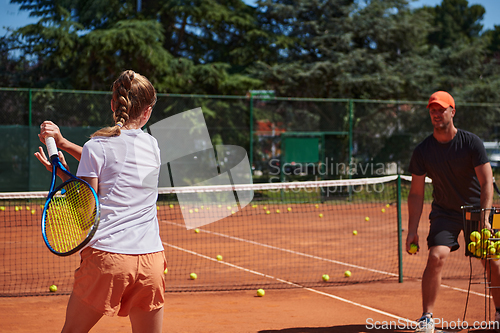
[113,283]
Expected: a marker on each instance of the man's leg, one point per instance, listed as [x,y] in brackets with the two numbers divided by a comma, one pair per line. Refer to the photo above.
[431,279]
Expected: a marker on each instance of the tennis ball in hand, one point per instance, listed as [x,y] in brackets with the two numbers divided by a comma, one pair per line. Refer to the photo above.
[219,257]
[193,276]
[485,233]
[475,236]
[347,273]
[325,277]
[53,288]
[413,248]
[261,292]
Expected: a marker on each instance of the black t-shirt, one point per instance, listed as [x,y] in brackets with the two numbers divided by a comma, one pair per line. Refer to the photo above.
[451,167]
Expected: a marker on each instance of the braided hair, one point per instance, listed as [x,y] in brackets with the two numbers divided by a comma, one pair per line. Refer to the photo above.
[132,92]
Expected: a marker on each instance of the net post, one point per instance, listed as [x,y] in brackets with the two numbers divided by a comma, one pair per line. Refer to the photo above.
[400,232]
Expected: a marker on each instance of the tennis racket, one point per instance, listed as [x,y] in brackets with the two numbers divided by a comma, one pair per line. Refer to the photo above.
[71,214]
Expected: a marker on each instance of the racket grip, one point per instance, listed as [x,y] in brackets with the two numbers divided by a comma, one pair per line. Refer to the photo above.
[51,146]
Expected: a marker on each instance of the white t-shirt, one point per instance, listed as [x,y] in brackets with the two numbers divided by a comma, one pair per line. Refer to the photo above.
[127,167]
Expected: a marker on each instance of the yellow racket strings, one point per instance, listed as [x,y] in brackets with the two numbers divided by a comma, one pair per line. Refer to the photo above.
[70,215]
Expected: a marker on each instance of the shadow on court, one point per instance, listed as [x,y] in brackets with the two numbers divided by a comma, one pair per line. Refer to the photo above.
[334,329]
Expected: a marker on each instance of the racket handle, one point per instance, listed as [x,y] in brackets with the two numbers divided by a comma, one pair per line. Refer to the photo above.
[51,146]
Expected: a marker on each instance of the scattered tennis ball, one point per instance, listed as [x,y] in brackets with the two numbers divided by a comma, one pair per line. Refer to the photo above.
[325,277]
[232,212]
[33,212]
[383,210]
[268,212]
[316,205]
[219,257]
[27,207]
[201,207]
[347,273]
[265,208]
[190,211]
[485,233]
[472,247]
[388,205]
[367,218]
[475,236]
[289,209]
[16,209]
[53,288]
[320,215]
[355,232]
[261,292]
[157,207]
[2,208]
[165,271]
[196,210]
[193,276]
[254,206]
[220,206]
[413,248]
[171,206]
[277,211]
[197,230]
[228,207]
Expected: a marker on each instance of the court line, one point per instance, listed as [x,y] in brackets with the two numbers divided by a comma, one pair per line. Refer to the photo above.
[320,258]
[292,284]
[289,251]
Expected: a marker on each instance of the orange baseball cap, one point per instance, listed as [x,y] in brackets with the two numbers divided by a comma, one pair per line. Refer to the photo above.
[442,98]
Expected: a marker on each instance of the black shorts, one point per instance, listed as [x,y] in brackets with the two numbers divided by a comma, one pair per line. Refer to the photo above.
[444,232]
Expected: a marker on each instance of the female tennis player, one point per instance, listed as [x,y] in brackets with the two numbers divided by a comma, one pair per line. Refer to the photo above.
[121,269]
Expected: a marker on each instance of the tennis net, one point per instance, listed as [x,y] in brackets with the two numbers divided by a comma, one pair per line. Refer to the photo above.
[288,235]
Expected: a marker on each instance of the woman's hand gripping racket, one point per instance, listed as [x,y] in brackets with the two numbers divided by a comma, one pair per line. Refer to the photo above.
[71,214]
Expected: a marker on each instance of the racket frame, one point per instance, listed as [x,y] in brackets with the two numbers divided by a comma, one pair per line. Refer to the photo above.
[56,163]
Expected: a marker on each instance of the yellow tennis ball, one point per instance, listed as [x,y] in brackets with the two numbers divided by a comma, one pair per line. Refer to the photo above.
[33,212]
[316,205]
[472,247]
[277,211]
[320,215]
[190,211]
[268,212]
[289,209]
[16,209]
[478,252]
[53,288]
[325,277]
[265,208]
[2,208]
[485,233]
[475,236]
[492,250]
[497,234]
[383,210]
[254,206]
[355,232]
[347,273]
[413,248]
[193,276]
[157,207]
[228,207]
[165,271]
[367,218]
[219,257]
[261,292]
[388,205]
[171,206]
[27,207]
[196,210]
[197,230]
[232,212]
